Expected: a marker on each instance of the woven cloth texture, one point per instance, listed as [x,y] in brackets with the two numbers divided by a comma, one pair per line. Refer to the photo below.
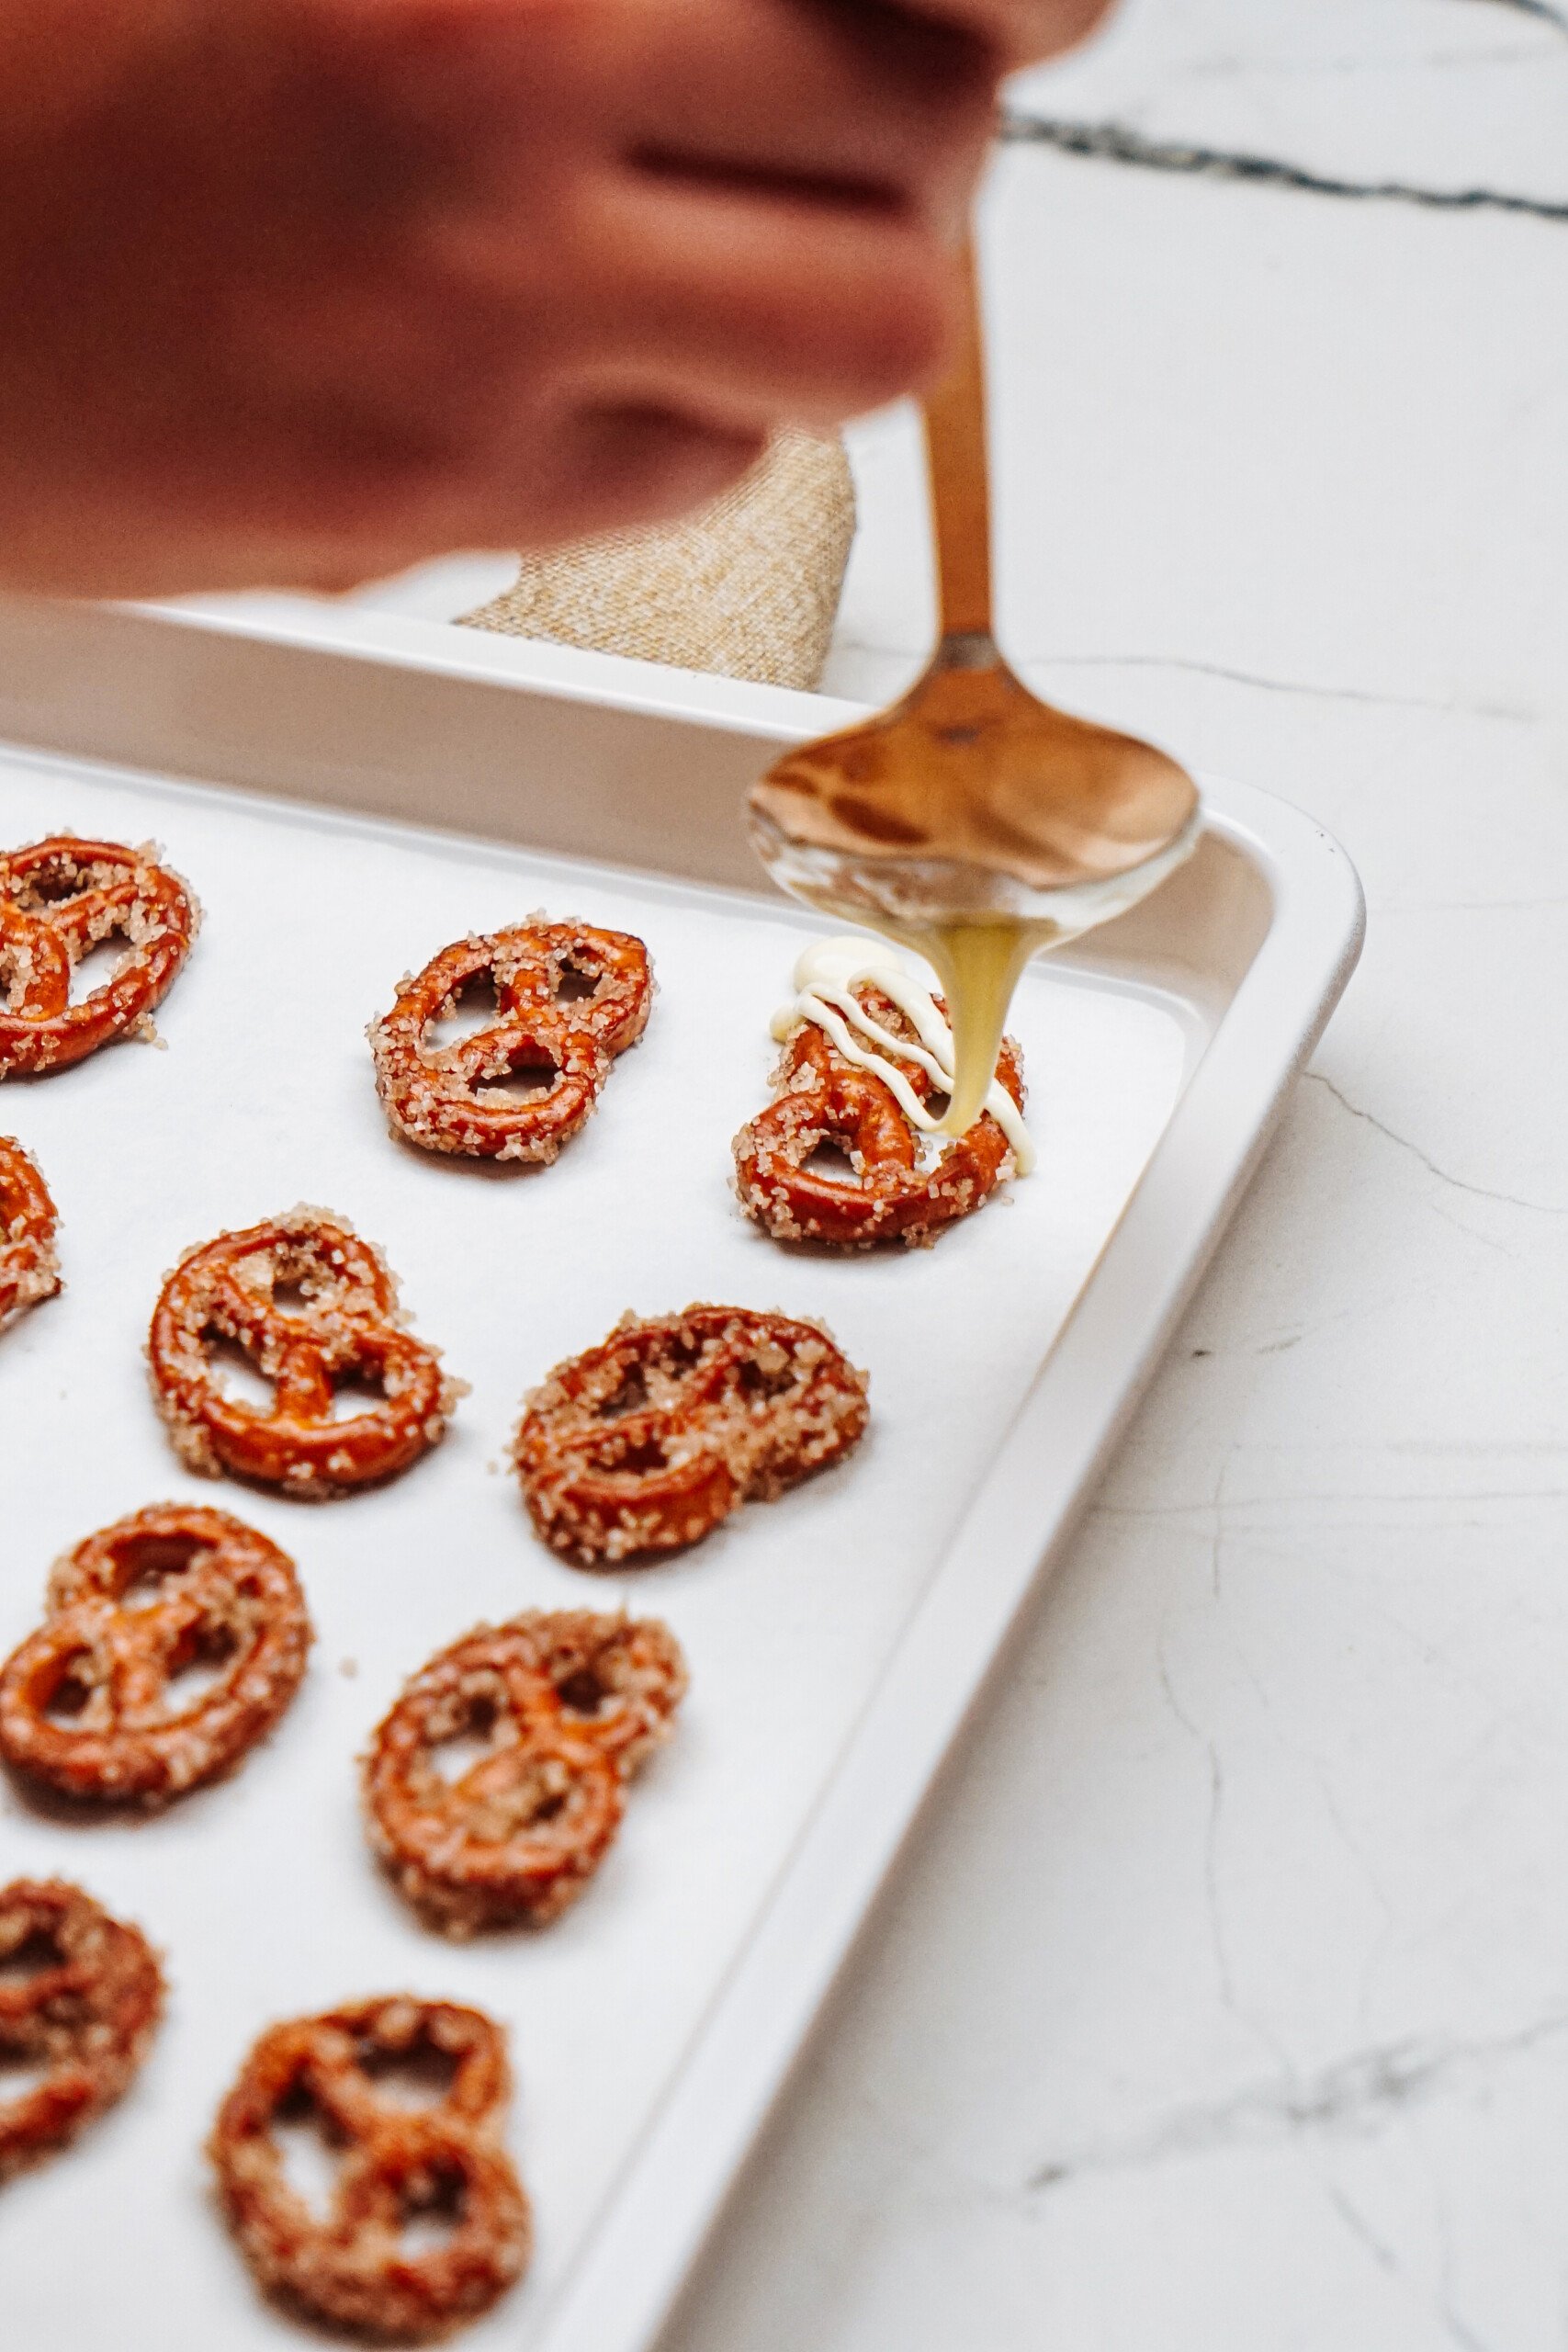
[748,587]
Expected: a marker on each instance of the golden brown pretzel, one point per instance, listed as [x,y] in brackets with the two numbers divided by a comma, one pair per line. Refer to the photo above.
[60,897]
[821,1097]
[353,2269]
[29,1269]
[82,2014]
[567,1704]
[520,1832]
[451,1098]
[343,1325]
[130,1609]
[645,1443]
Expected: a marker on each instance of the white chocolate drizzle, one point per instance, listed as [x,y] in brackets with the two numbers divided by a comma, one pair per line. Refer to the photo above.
[825,976]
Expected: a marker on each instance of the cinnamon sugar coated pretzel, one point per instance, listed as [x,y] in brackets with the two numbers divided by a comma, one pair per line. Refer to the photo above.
[355,2268]
[29,1267]
[887,1194]
[81,1995]
[568,1705]
[130,1610]
[645,1443]
[314,1308]
[453,1098]
[59,899]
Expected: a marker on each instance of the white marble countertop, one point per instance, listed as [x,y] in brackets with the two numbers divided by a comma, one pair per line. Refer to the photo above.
[1221,2004]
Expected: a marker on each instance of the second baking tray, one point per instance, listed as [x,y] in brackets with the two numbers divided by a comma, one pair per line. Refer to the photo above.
[835,1638]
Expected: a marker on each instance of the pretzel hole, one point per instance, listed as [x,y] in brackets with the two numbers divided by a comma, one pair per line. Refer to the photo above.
[145,1561]
[432,2209]
[420,2076]
[235,1374]
[575,986]
[629,1397]
[833,1163]
[583,1693]
[52,885]
[532,1076]
[468,1008]
[72,1694]
[471,1740]
[38,1951]
[22,2072]
[203,1661]
[309,2150]
[360,1389]
[96,967]
[766,1380]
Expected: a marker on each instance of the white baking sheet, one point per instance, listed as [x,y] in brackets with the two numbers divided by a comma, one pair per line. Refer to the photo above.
[261,1892]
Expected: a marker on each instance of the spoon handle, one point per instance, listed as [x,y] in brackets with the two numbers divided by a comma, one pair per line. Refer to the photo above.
[960,505]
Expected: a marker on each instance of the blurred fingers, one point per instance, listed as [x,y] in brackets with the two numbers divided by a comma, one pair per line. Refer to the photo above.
[771,307]
[851,97]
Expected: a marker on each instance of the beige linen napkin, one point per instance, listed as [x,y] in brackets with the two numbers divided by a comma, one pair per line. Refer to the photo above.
[748,587]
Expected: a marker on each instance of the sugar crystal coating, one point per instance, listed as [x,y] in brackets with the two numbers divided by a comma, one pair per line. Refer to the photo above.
[569,999]
[58,899]
[355,2268]
[29,1262]
[564,1706]
[643,1444]
[170,1586]
[343,1325]
[81,2018]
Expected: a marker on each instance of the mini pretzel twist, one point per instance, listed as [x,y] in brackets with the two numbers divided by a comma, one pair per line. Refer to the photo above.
[29,1269]
[451,1098]
[568,1705]
[129,1610]
[83,2015]
[647,1442]
[59,899]
[820,1099]
[343,1325]
[353,2269]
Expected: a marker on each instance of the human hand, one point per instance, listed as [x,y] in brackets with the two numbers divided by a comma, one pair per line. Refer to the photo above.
[297,291]
[1022,32]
